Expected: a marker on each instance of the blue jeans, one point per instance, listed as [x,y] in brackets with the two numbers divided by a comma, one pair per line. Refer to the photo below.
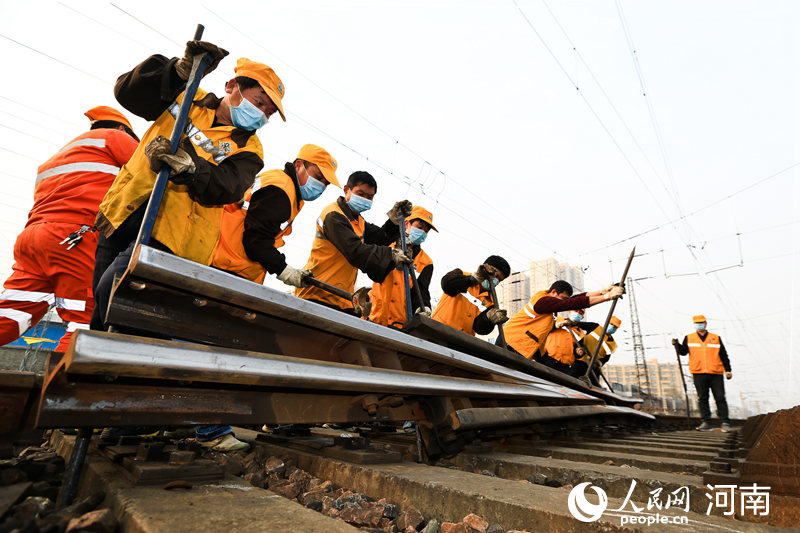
[713,382]
[207,433]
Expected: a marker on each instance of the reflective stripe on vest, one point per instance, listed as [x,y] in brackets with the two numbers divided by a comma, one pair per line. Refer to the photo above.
[28,296]
[218,153]
[97,143]
[527,331]
[22,318]
[77,167]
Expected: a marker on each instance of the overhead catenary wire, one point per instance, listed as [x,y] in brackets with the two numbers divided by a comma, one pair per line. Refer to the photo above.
[73,67]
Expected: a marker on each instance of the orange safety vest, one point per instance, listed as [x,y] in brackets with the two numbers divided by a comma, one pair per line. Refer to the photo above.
[389,297]
[327,263]
[527,331]
[188,228]
[229,254]
[560,346]
[704,355]
[71,184]
[459,311]
[590,343]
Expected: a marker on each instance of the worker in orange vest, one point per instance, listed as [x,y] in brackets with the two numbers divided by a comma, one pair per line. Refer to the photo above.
[50,268]
[588,333]
[559,348]
[253,229]
[388,298]
[527,331]
[467,303]
[345,243]
[708,360]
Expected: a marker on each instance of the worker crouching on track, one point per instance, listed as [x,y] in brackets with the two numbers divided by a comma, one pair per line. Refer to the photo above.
[345,243]
[466,303]
[589,334]
[527,331]
[388,297]
[49,269]
[708,360]
[254,229]
[212,168]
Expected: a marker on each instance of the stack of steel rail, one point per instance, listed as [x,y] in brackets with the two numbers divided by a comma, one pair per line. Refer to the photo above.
[232,351]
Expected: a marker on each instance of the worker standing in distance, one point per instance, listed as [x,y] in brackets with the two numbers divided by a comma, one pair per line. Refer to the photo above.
[252,230]
[527,331]
[49,269]
[708,360]
[213,166]
[467,303]
[345,243]
[388,297]
[589,333]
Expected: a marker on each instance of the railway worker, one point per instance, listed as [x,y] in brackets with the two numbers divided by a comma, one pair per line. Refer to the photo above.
[213,167]
[345,243]
[559,348]
[527,331]
[708,360]
[69,186]
[467,303]
[589,334]
[388,297]
[252,230]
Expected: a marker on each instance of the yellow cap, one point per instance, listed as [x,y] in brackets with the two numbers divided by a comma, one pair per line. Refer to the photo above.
[325,161]
[420,213]
[616,322]
[265,77]
[698,319]
[103,112]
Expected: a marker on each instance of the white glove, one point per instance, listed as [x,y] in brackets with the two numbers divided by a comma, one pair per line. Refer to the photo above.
[613,292]
[400,258]
[605,290]
[294,277]
[424,311]
[497,316]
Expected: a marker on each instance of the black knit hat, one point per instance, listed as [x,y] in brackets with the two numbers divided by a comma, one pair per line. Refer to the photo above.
[500,264]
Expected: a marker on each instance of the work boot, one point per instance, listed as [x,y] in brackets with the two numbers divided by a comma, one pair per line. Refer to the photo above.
[705,426]
[226,443]
[726,427]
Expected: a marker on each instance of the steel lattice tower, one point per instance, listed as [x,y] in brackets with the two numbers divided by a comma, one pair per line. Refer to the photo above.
[642,376]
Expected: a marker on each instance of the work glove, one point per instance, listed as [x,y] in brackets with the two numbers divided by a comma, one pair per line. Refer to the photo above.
[728,375]
[194,48]
[483,273]
[580,352]
[401,208]
[400,258]
[158,153]
[497,316]
[613,293]
[294,277]
[423,311]
[361,304]
[674,342]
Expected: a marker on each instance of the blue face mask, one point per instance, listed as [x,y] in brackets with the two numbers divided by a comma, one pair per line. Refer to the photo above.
[485,283]
[312,189]
[700,327]
[416,236]
[246,115]
[359,204]
[575,317]
[611,330]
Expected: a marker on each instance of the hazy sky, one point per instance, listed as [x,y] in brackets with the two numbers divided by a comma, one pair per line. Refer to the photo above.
[471,110]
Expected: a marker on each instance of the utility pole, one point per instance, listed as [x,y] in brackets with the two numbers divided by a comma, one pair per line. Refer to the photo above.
[642,376]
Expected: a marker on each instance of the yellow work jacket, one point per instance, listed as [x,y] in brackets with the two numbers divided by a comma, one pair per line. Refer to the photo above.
[389,297]
[229,254]
[526,332]
[590,343]
[704,354]
[188,229]
[327,263]
[459,311]
[560,345]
